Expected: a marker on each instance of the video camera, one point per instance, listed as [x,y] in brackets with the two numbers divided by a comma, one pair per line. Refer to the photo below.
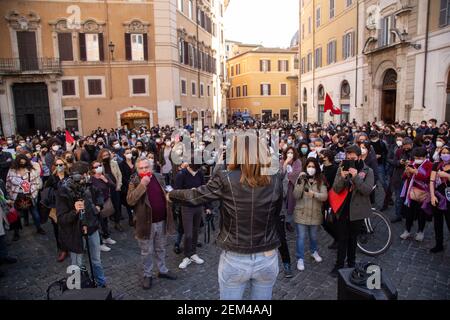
[76,185]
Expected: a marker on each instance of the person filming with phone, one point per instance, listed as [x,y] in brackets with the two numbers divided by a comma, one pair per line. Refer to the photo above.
[355,179]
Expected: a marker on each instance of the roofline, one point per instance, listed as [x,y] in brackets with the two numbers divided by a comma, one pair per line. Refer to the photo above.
[262,51]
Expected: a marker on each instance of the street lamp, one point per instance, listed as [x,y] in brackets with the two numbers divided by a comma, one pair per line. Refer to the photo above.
[111,46]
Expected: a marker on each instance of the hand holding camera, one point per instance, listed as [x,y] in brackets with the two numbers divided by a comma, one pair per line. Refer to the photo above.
[79,206]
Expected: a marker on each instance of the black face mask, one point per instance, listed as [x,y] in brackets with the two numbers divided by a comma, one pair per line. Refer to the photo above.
[106,160]
[90,147]
[22,165]
[69,160]
[135,154]
[140,147]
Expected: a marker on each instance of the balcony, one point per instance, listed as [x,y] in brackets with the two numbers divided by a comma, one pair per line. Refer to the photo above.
[17,66]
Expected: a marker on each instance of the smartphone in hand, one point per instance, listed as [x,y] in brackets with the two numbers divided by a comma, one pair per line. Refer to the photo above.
[169,188]
[347,164]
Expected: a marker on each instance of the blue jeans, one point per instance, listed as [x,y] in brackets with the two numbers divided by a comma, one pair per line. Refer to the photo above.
[94,246]
[237,270]
[34,213]
[301,231]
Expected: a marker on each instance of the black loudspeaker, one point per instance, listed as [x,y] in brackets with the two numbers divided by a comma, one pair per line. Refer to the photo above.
[86,294]
[347,290]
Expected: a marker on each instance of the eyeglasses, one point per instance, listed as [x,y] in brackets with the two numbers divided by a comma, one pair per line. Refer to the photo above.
[95,167]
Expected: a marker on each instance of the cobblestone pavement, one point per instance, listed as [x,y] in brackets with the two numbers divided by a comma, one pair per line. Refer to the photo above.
[416,273]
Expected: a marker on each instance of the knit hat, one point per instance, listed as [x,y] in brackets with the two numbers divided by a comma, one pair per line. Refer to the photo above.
[407,140]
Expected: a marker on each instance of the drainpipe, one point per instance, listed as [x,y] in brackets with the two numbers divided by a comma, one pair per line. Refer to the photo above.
[426,55]
[107,50]
[313,55]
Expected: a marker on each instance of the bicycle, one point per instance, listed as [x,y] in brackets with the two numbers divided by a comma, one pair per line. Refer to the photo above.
[376,236]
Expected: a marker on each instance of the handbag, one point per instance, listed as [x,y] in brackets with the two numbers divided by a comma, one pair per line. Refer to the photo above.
[108,209]
[336,200]
[12,216]
[418,195]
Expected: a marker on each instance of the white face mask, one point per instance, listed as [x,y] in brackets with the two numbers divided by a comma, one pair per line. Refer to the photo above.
[23,144]
[363,151]
[117,146]
[311,171]
[9,142]
[418,161]
[151,162]
[168,143]
[290,156]
[439,144]
[399,143]
[129,156]
[158,140]
[99,170]
[55,148]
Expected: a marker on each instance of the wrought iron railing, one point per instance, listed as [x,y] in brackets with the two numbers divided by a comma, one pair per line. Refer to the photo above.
[29,65]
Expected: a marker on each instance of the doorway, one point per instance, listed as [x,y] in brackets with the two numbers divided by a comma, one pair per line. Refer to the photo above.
[31,107]
[389,96]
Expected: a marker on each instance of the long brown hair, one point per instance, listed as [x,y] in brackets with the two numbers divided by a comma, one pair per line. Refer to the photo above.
[251,174]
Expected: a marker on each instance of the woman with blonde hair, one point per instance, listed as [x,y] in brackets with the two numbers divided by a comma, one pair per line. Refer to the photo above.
[60,172]
[251,205]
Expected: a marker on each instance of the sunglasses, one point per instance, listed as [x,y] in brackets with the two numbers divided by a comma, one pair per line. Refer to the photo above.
[60,165]
[95,167]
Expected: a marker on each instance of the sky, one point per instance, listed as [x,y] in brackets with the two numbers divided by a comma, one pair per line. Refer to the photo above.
[271,23]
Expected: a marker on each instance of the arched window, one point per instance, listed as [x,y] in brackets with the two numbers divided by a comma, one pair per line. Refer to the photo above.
[390,80]
[321,92]
[345,90]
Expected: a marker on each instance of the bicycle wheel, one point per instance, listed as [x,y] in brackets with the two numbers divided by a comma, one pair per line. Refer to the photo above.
[376,236]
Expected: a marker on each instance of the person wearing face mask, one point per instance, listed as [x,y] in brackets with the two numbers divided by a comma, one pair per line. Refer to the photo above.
[441,141]
[69,159]
[103,184]
[24,181]
[440,200]
[60,172]
[381,151]
[191,215]
[118,150]
[154,220]
[318,146]
[5,162]
[310,192]
[399,162]
[329,170]
[68,211]
[89,152]
[371,162]
[112,171]
[11,143]
[339,147]
[416,192]
[165,161]
[127,168]
[358,182]
[54,151]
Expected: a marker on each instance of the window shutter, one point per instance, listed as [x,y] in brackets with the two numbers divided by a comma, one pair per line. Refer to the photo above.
[101,53]
[353,44]
[287,65]
[279,65]
[443,13]
[262,89]
[128,46]
[145,36]
[268,65]
[260,65]
[268,86]
[344,47]
[186,53]
[65,46]
[82,43]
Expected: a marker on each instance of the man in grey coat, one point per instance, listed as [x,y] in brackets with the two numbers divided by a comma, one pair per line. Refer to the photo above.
[359,181]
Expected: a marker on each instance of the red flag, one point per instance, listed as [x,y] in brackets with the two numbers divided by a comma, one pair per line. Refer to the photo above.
[329,106]
[328,103]
[69,138]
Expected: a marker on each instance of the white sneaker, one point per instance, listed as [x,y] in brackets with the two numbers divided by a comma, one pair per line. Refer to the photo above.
[184,263]
[104,248]
[405,235]
[419,236]
[197,259]
[300,265]
[109,241]
[316,256]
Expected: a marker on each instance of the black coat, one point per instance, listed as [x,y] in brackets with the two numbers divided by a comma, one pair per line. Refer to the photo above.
[69,223]
[5,163]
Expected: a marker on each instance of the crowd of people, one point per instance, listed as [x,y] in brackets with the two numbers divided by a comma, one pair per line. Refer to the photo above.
[83,183]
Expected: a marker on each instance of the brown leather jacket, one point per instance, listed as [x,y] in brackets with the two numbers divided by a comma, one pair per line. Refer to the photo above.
[249,216]
[137,198]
